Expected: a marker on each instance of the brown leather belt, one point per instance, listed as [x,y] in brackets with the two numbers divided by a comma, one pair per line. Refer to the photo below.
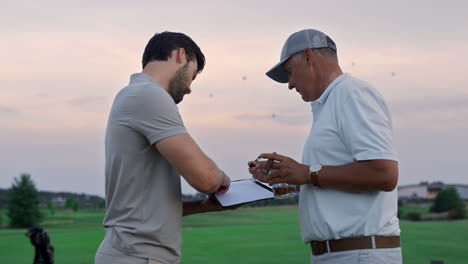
[320,247]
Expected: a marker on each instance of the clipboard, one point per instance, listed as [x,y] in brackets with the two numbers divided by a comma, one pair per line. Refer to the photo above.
[244,191]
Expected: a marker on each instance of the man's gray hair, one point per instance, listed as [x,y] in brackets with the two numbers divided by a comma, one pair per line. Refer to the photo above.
[325,52]
[322,52]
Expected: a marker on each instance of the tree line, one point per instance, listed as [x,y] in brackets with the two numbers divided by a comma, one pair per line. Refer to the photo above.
[23,203]
[23,208]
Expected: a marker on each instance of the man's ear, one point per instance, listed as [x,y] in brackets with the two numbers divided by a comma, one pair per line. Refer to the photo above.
[309,55]
[180,56]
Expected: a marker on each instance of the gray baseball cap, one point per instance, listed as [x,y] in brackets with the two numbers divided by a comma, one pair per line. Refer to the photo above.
[297,42]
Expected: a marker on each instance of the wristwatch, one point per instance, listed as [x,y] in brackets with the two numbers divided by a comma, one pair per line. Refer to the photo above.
[313,173]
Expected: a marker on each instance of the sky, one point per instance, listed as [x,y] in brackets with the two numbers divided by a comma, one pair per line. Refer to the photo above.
[62,63]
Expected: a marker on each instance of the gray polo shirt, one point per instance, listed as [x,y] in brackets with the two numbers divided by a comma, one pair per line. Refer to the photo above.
[143,194]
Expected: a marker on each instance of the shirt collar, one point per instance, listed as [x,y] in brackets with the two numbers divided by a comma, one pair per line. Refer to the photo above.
[142,77]
[323,98]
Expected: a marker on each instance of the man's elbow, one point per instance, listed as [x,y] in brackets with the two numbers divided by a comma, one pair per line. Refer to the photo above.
[389,185]
[390,180]
[389,172]
[208,184]
[209,187]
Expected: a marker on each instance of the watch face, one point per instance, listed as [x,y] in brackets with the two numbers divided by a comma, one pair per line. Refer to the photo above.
[315,167]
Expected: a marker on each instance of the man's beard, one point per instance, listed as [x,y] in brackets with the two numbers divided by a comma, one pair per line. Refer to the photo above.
[178,84]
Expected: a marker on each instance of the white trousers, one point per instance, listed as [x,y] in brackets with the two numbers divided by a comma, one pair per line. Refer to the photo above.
[362,256]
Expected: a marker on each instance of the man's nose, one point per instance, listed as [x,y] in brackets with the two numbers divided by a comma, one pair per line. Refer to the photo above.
[189,90]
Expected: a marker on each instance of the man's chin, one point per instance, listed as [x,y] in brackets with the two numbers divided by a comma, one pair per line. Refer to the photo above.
[178,100]
[306,99]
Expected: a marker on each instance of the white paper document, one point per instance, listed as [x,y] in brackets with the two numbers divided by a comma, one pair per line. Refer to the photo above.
[244,191]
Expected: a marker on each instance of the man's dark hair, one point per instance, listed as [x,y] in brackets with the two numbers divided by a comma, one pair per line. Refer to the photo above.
[162,44]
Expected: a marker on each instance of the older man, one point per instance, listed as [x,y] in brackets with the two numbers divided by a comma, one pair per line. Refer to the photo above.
[349,169]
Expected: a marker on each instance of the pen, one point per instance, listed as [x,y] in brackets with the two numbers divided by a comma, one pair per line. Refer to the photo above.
[268,165]
[251,165]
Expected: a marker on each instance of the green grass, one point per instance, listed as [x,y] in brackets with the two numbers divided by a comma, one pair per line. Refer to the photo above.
[414,208]
[445,240]
[75,237]
[253,235]
[263,235]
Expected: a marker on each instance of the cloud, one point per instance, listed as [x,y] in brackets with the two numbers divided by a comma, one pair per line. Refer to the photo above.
[90,103]
[286,119]
[86,100]
[402,108]
[8,111]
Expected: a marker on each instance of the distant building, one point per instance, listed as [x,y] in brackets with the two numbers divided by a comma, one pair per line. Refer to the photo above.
[425,190]
[58,201]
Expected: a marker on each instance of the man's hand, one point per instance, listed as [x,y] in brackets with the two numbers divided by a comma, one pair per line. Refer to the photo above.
[256,169]
[203,206]
[284,170]
[225,185]
[213,206]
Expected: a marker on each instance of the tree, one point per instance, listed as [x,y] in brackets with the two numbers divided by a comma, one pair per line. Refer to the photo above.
[446,200]
[51,207]
[73,204]
[23,203]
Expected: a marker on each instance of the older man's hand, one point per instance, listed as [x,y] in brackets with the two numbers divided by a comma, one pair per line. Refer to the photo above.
[283,170]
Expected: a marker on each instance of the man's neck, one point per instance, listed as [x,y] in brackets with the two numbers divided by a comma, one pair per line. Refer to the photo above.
[159,73]
[329,77]
[333,75]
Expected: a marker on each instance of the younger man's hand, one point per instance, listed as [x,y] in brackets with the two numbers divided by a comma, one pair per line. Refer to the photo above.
[225,185]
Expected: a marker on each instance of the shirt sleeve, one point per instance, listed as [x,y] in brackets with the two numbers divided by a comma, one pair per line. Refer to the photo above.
[366,126]
[156,115]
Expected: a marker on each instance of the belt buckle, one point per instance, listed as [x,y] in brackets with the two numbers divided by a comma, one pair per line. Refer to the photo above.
[318,248]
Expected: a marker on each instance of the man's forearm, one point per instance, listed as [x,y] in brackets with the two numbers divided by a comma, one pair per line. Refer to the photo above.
[360,176]
[197,207]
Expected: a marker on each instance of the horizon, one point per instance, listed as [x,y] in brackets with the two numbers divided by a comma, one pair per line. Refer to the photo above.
[63,63]
[195,192]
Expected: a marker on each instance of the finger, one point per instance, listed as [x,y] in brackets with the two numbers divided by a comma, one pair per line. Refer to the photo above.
[222,190]
[255,170]
[273,156]
[260,177]
[268,165]
[256,164]
[258,171]
[260,164]
[226,185]
[226,181]
[275,180]
[226,188]
[276,165]
[277,174]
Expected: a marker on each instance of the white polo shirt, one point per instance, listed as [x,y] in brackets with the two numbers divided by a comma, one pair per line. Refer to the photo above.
[351,122]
